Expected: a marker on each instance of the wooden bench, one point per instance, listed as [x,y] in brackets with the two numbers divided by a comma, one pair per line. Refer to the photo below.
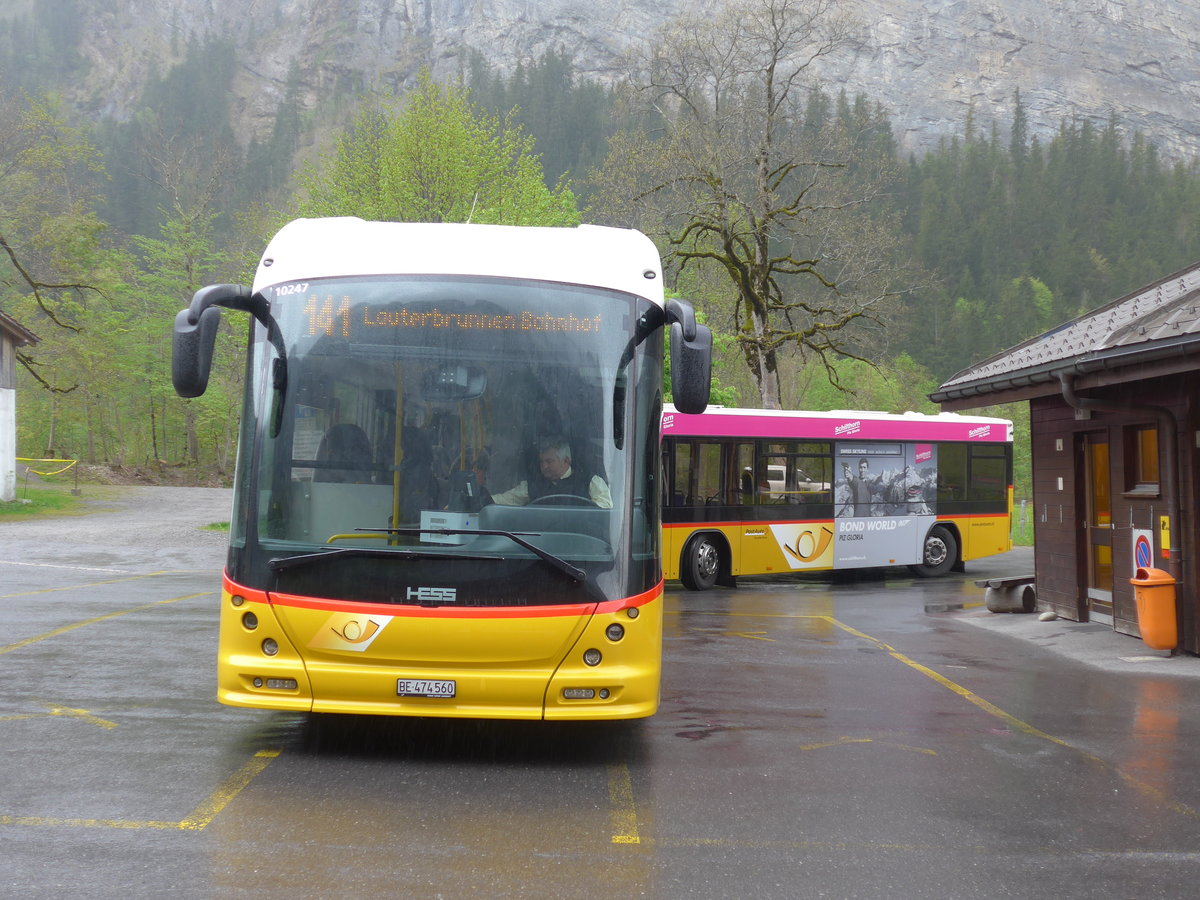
[1014,594]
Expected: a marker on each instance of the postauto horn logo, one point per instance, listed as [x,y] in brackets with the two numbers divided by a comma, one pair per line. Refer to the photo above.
[354,632]
[805,546]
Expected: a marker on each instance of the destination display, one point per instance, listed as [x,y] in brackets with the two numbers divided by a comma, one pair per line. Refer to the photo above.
[339,315]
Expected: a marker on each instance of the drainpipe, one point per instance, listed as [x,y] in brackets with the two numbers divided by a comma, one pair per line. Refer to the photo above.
[1168,426]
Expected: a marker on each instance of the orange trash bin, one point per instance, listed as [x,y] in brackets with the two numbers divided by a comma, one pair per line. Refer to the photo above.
[1154,591]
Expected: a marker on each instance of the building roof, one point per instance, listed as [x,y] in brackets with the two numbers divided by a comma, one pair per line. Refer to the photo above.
[18,334]
[1157,322]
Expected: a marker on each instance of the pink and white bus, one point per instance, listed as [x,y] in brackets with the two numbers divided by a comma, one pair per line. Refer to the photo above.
[754,492]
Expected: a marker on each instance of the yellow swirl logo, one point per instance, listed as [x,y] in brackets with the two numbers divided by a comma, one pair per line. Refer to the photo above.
[354,632]
[810,546]
[348,631]
[805,546]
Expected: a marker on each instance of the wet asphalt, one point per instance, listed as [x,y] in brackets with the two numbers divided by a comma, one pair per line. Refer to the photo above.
[852,736]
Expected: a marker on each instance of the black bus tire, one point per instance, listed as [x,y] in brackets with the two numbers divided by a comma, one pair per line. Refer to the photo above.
[700,563]
[939,553]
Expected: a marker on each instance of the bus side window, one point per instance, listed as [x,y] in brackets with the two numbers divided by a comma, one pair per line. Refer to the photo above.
[681,488]
[952,471]
[708,475]
[739,474]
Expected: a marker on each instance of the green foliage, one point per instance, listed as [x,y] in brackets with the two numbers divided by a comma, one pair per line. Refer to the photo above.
[439,159]
[54,270]
[898,385]
[1015,233]
[41,50]
[1025,235]
[785,211]
[178,146]
[178,263]
[570,116]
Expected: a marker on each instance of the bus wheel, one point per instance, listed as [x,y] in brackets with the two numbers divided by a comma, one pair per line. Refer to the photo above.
[701,563]
[940,553]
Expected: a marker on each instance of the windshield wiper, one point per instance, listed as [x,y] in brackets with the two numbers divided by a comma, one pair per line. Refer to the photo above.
[291,562]
[517,537]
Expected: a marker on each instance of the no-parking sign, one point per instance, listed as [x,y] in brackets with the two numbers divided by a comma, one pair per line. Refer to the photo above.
[1143,550]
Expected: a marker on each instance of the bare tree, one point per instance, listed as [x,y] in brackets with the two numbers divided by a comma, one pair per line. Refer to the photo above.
[737,179]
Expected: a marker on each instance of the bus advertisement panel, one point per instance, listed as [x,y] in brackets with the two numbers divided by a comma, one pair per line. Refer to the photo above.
[884,501]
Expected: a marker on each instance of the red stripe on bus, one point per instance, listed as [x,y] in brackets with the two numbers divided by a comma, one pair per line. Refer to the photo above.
[448,612]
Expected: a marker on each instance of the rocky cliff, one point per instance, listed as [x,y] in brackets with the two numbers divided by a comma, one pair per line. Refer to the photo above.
[928,61]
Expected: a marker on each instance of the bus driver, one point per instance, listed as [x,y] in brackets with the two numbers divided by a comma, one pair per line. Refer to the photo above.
[556,477]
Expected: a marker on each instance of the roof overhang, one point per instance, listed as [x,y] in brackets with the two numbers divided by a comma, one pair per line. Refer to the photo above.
[1109,366]
[17,333]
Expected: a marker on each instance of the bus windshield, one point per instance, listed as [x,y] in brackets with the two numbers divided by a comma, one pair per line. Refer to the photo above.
[448,440]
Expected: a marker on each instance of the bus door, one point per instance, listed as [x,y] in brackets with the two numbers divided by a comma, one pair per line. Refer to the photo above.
[705,492]
[742,497]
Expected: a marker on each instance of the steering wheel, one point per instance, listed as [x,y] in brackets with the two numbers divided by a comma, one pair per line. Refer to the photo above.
[570,500]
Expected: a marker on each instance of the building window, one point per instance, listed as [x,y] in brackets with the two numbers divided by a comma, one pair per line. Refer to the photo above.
[1141,460]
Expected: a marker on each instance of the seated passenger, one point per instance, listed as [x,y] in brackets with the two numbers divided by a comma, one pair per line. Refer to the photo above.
[556,477]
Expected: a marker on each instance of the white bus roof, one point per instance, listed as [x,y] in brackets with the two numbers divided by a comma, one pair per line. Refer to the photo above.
[592,255]
[838,424]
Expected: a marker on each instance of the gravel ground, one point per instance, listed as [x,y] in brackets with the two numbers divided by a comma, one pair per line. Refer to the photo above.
[129,528]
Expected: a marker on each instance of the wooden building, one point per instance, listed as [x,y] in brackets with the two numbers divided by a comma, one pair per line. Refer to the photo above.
[12,336]
[1114,400]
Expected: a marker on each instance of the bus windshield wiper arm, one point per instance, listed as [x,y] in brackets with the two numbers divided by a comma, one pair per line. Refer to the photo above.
[517,537]
[290,562]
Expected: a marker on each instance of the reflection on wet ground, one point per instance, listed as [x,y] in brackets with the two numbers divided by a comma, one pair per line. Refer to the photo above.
[817,737]
[449,741]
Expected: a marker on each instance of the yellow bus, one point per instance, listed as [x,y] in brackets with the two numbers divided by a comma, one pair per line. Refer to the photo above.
[755,492]
[398,545]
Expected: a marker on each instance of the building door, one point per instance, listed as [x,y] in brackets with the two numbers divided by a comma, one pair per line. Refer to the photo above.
[1098,528]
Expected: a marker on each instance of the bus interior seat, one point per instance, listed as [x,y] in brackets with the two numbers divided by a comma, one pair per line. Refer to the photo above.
[346,450]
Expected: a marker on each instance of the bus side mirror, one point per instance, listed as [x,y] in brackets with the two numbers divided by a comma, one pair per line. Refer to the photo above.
[192,351]
[691,368]
[195,333]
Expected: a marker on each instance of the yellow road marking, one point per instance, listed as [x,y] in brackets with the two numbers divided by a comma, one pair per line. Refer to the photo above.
[203,814]
[8,648]
[843,741]
[1017,724]
[86,823]
[62,711]
[199,819]
[840,742]
[752,635]
[75,587]
[624,811]
[990,708]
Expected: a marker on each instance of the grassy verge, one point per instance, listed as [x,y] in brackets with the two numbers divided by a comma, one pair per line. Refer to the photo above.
[1022,525]
[37,500]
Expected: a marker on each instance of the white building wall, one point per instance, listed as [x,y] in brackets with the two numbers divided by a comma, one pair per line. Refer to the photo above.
[8,445]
